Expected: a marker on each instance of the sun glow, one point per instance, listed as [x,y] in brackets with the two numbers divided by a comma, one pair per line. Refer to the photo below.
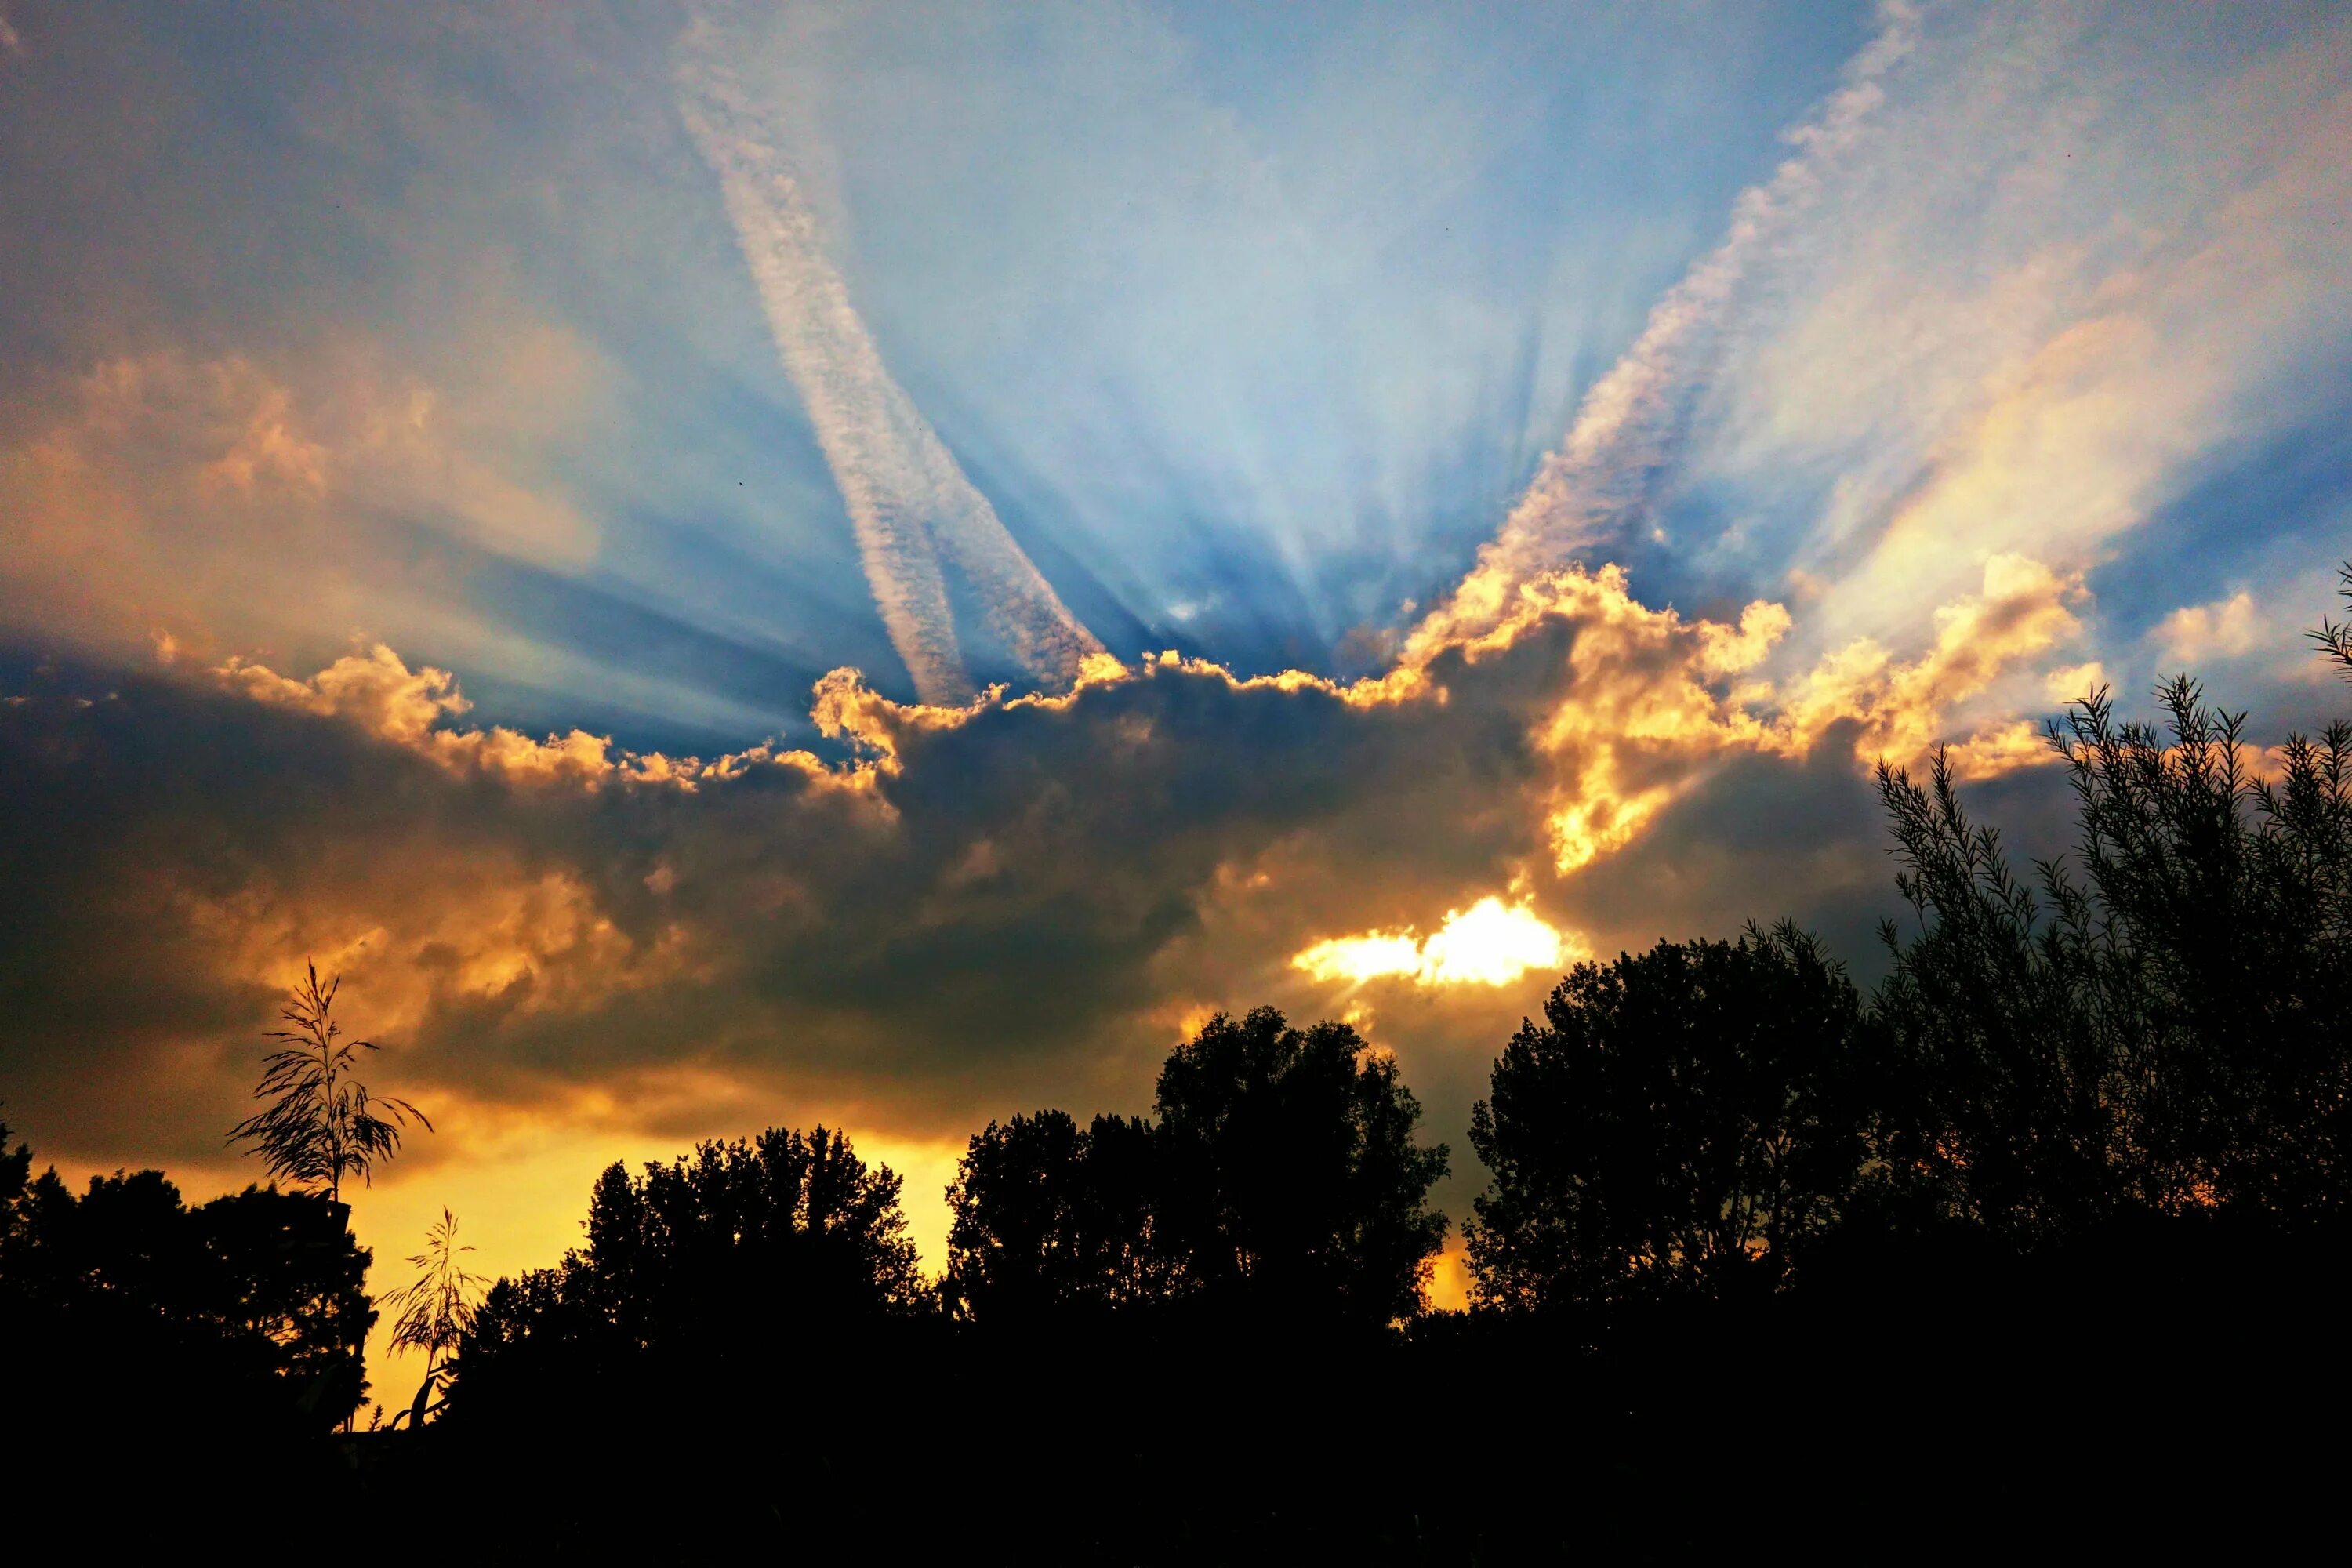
[1490,943]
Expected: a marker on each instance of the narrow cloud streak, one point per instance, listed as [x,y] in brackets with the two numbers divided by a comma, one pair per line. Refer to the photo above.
[911,502]
[1588,489]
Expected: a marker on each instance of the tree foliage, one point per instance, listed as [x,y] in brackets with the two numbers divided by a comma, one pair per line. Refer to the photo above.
[1280,1182]
[2159,1024]
[1293,1188]
[754,1249]
[1051,1219]
[255,1300]
[2164,1026]
[1683,1122]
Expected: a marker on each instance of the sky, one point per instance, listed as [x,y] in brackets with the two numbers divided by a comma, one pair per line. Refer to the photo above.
[737,565]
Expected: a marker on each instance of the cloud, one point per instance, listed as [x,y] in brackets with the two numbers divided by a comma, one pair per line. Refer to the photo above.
[958,909]
[2042,345]
[2194,634]
[215,497]
[377,691]
[1587,491]
[2075,681]
[520,916]
[912,507]
[1899,709]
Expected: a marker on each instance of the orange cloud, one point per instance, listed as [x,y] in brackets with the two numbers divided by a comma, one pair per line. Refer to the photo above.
[1902,709]
[228,501]
[377,691]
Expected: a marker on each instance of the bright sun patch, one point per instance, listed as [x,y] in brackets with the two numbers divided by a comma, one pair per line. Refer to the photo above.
[1490,943]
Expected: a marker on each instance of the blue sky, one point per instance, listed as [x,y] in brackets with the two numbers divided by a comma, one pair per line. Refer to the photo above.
[1251,333]
[520,503]
[1250,324]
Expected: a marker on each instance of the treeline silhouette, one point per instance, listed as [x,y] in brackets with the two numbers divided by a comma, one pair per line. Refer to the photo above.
[244,1314]
[2036,1245]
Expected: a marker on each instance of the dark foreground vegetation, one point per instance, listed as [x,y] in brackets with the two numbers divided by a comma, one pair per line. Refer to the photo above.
[2034,1249]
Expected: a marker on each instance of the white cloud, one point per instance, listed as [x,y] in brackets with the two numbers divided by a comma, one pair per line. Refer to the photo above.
[909,500]
[2222,629]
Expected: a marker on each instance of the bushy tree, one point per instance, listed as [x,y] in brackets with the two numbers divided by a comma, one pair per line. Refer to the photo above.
[2160,1023]
[254,1302]
[740,1250]
[1280,1184]
[290,1273]
[1051,1219]
[1292,1188]
[2006,1110]
[1683,1122]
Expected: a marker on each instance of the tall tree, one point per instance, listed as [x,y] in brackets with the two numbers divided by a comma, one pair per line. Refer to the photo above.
[321,1123]
[1292,1189]
[1682,1123]
[2008,1110]
[1051,1219]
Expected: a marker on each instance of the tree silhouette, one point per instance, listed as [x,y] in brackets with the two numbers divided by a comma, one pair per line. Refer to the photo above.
[2162,1027]
[2217,925]
[2008,1112]
[1291,1187]
[742,1251]
[16,1175]
[321,1123]
[1051,1219]
[290,1274]
[1684,1121]
[433,1310]
[253,1303]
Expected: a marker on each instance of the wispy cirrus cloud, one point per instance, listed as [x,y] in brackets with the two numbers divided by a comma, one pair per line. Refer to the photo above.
[1590,489]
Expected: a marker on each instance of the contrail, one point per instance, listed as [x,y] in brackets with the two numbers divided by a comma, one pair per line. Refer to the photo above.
[1588,487]
[907,499]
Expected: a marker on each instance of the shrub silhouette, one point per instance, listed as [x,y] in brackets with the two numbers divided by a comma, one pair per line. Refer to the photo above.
[432,1310]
